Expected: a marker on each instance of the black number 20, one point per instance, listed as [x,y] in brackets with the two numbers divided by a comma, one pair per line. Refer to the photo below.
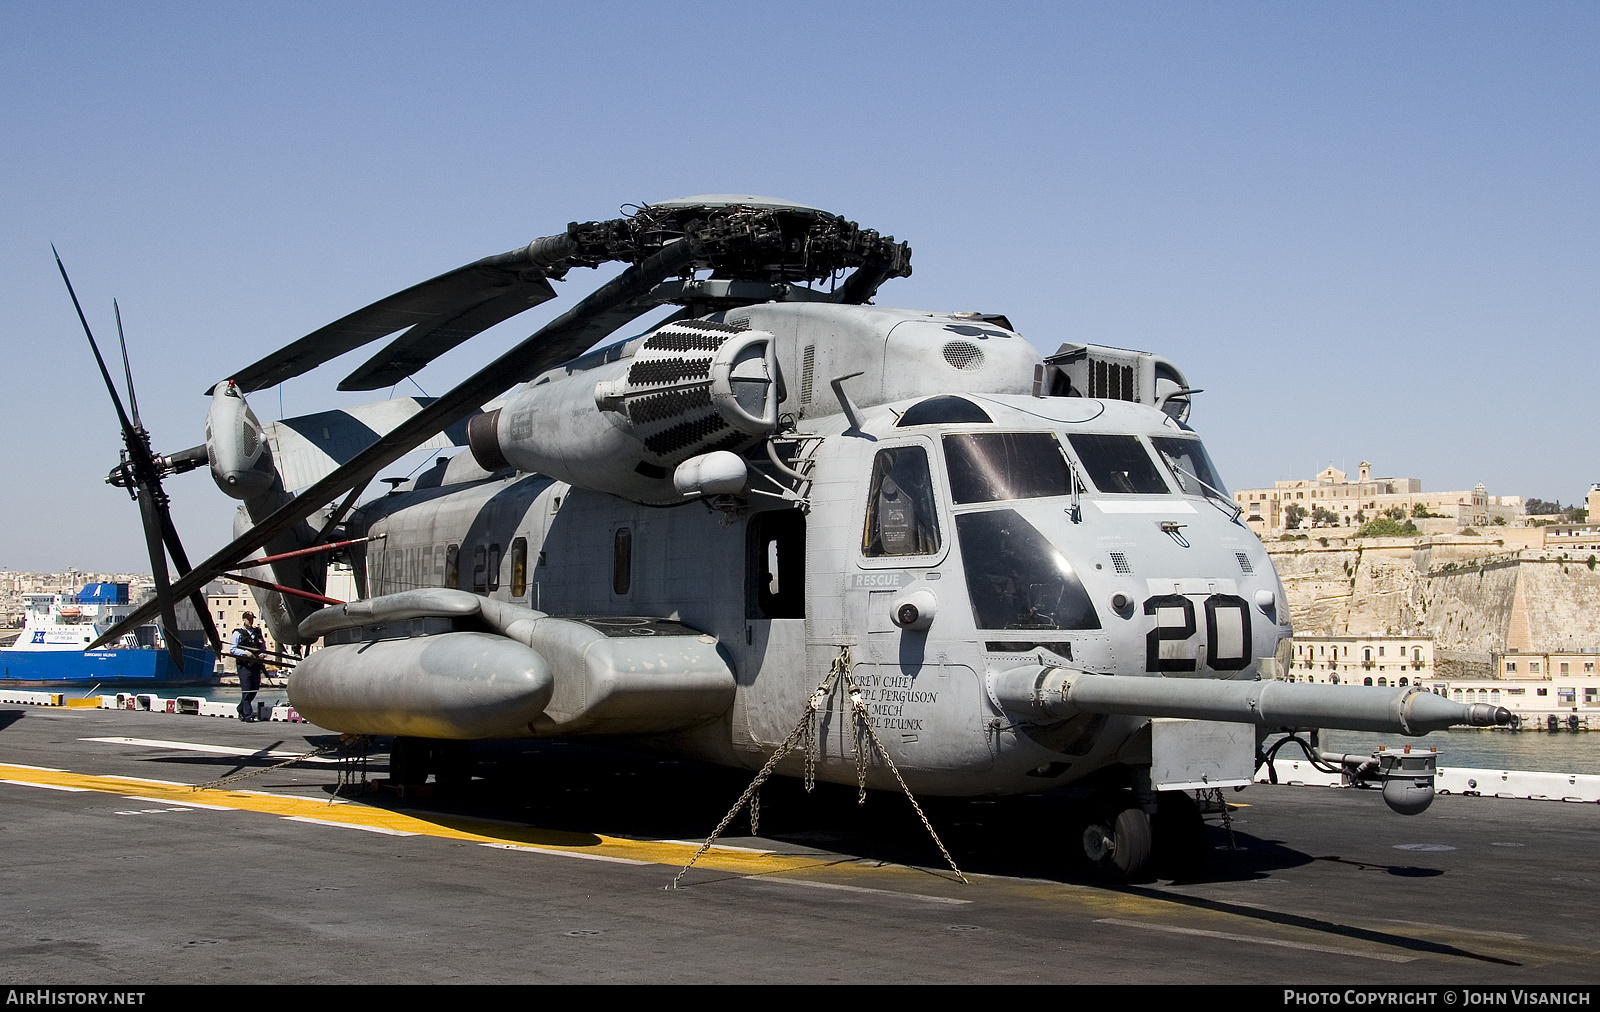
[1227,618]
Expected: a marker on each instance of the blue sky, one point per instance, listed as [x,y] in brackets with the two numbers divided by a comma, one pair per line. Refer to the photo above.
[1368,231]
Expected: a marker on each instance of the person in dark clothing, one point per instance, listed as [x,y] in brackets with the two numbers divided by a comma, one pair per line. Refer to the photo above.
[247,646]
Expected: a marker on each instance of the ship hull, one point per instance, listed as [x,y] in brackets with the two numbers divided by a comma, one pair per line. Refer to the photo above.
[107,668]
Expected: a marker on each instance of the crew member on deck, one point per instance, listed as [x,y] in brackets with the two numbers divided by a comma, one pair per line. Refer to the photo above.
[247,646]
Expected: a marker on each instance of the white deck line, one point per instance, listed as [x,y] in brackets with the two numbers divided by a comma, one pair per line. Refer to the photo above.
[194,746]
[386,831]
[1173,929]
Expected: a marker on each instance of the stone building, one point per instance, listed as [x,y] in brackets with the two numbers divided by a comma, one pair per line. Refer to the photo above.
[1352,503]
[1362,660]
[228,603]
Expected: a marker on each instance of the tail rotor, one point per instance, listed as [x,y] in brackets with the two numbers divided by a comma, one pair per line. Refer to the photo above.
[140,472]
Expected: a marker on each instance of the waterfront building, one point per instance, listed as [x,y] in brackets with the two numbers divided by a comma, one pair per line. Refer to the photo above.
[1351,503]
[228,603]
[1363,660]
[1563,683]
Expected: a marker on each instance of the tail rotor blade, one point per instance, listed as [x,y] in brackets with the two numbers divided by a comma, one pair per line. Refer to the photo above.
[127,370]
[149,512]
[105,374]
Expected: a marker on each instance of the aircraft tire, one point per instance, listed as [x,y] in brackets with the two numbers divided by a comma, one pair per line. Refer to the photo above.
[1118,843]
[1180,836]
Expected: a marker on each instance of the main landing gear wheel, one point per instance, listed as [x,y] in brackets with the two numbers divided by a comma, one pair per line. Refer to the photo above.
[1118,843]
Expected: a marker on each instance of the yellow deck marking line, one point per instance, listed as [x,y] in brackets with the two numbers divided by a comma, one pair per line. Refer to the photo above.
[742,862]
[350,825]
[1229,936]
[564,853]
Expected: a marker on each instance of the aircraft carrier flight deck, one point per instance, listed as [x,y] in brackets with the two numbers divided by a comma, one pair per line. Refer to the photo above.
[553,866]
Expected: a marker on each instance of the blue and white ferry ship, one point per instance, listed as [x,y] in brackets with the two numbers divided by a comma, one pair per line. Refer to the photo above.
[50,650]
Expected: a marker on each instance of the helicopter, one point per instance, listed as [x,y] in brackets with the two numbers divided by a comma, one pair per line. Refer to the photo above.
[1025,567]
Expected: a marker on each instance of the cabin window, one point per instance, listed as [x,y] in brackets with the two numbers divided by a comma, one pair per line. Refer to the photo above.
[480,569]
[1118,463]
[1017,579]
[1190,466]
[452,566]
[776,565]
[993,466]
[495,556]
[622,561]
[519,567]
[900,513]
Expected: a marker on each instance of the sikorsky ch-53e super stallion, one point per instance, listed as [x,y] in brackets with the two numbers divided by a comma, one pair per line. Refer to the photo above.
[1015,571]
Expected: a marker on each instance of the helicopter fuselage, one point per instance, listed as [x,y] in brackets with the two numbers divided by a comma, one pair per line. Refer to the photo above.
[1054,531]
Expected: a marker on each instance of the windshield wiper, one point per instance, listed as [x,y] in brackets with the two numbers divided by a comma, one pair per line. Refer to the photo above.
[1221,496]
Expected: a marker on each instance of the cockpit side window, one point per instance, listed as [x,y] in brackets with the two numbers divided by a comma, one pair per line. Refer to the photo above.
[1016,578]
[992,466]
[1191,466]
[1118,463]
[901,518]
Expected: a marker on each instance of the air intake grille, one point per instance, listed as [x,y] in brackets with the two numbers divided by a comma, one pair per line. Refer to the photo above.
[1119,562]
[963,355]
[808,368]
[1244,562]
[1110,381]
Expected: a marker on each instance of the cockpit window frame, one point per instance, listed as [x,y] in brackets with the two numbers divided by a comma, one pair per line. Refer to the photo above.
[941,503]
[978,436]
[1152,457]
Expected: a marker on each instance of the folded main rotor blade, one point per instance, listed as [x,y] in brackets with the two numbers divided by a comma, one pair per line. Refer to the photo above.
[624,298]
[425,342]
[507,281]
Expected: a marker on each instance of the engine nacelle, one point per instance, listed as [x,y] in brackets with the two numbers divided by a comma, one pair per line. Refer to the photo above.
[236,447]
[623,427]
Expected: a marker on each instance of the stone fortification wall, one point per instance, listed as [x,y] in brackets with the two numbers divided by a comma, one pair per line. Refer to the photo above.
[1472,597]
[1562,604]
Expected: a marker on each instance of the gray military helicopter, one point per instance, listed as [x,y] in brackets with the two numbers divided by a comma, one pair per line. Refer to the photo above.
[1025,566]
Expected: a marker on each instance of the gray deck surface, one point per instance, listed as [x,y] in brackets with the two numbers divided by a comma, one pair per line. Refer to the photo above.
[101,888]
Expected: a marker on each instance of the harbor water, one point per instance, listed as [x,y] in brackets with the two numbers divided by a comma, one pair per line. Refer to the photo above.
[1534,751]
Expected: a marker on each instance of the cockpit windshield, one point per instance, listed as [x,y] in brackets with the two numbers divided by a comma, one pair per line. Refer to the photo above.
[1118,463]
[1016,578]
[1191,466]
[993,466]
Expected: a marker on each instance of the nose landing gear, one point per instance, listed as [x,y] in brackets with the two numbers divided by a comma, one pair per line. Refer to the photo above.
[1123,843]
[1119,843]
